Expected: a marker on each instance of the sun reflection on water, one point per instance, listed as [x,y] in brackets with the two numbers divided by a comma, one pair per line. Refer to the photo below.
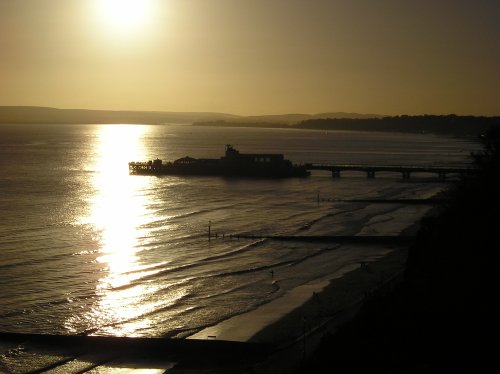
[118,214]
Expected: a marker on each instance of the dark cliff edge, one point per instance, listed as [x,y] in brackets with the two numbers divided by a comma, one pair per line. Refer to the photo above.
[444,314]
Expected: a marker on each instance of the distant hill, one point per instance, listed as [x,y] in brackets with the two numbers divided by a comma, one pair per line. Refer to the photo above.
[243,122]
[295,118]
[282,120]
[32,114]
[27,114]
[447,124]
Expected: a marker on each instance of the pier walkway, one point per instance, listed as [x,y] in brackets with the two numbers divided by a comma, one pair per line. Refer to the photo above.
[405,171]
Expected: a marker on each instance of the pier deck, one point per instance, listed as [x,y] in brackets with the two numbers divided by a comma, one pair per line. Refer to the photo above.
[405,170]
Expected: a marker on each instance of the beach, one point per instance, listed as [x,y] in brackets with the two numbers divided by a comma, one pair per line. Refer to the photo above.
[310,305]
[287,329]
[295,324]
[319,302]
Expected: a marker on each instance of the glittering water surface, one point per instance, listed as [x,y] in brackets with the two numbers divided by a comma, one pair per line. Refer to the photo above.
[87,248]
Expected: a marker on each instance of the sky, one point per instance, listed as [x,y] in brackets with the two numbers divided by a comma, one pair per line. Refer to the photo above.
[253,57]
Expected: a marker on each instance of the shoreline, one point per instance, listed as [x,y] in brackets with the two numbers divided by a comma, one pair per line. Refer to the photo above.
[341,294]
[243,327]
[307,313]
[279,336]
[316,302]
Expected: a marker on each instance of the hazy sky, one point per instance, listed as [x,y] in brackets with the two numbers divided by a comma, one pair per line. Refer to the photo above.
[253,56]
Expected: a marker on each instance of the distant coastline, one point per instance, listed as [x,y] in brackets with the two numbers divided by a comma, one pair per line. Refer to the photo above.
[46,115]
[442,125]
[435,124]
[453,125]
[264,125]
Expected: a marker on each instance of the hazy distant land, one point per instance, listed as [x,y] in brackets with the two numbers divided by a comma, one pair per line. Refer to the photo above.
[438,124]
[45,115]
[32,114]
[449,124]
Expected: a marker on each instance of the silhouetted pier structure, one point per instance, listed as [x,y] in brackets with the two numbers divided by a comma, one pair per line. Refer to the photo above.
[405,171]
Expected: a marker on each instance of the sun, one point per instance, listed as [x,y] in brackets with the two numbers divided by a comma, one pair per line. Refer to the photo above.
[125,14]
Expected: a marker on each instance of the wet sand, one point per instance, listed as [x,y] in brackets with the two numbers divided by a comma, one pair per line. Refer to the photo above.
[320,302]
[288,329]
[313,305]
[294,324]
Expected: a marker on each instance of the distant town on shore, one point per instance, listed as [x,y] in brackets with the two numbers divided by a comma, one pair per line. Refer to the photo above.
[438,124]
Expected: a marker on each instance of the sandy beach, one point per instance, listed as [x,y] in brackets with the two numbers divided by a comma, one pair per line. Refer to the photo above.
[308,305]
[289,329]
[312,304]
[295,323]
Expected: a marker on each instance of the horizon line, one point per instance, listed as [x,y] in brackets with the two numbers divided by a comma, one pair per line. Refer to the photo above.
[249,115]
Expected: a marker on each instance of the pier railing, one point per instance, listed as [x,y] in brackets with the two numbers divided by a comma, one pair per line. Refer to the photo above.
[370,170]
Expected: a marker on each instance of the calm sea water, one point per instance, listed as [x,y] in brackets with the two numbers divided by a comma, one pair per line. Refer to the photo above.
[87,248]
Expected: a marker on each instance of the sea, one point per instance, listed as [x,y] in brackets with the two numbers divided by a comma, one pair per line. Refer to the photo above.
[86,248]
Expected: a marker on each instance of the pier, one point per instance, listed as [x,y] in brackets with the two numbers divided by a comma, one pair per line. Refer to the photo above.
[405,171]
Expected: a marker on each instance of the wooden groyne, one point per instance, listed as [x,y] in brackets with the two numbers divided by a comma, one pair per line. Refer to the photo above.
[430,201]
[357,239]
[64,352]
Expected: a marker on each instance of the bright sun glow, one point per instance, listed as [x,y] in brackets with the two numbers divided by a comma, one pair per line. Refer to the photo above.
[125,13]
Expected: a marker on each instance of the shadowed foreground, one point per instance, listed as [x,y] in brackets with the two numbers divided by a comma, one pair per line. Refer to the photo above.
[32,353]
[444,315]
